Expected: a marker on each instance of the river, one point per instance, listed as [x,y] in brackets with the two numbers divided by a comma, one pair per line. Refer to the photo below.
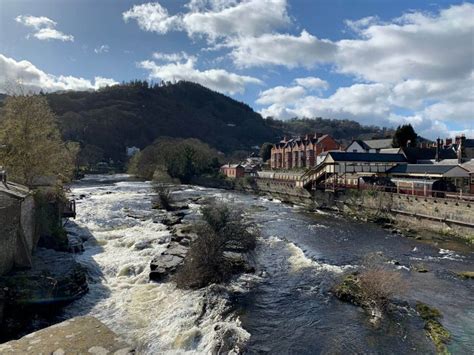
[286,306]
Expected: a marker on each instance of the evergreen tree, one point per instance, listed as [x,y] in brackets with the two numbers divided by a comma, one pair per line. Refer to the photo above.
[404,135]
[32,142]
[266,151]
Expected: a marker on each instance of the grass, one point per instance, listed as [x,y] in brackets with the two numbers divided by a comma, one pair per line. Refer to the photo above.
[435,330]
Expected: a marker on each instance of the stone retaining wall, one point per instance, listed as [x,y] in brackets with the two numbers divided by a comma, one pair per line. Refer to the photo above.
[433,213]
[17,232]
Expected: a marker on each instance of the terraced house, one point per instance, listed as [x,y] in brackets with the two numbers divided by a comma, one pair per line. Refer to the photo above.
[301,152]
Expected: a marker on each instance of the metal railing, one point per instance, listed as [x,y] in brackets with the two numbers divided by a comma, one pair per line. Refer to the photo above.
[457,195]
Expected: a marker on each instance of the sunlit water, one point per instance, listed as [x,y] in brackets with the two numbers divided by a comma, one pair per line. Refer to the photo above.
[285,307]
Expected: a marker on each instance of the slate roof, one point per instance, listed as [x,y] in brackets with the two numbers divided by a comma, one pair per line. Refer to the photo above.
[367,157]
[415,154]
[14,190]
[438,169]
[379,143]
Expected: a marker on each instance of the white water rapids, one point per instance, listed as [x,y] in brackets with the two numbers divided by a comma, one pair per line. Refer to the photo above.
[154,317]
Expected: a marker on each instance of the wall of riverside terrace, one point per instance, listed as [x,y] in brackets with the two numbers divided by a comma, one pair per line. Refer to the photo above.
[430,213]
[17,232]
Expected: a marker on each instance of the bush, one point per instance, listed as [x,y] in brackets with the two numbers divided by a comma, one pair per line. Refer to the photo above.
[49,228]
[163,197]
[209,259]
[372,287]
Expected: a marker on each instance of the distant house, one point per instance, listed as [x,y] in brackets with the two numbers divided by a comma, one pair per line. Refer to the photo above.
[131,151]
[421,179]
[371,146]
[233,170]
[301,152]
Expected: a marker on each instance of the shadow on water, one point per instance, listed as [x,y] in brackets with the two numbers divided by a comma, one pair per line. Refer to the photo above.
[45,303]
[95,276]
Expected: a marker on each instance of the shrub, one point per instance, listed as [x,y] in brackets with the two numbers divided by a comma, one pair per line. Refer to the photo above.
[208,260]
[372,287]
[49,228]
[163,197]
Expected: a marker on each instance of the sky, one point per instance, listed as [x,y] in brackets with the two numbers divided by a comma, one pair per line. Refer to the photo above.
[379,62]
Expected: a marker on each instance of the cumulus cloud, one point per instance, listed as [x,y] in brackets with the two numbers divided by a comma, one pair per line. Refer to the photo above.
[152,17]
[34,79]
[281,95]
[44,27]
[216,79]
[172,57]
[213,18]
[420,63]
[282,49]
[312,82]
[104,48]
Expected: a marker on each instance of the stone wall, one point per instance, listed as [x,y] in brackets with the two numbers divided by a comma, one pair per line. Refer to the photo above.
[437,214]
[17,232]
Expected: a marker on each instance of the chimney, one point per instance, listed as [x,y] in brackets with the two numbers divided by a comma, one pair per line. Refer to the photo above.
[438,150]
[449,142]
[285,139]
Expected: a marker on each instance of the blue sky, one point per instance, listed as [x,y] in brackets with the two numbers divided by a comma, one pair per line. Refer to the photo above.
[378,62]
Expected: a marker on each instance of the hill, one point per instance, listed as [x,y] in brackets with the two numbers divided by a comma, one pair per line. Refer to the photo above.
[135,114]
[343,130]
[107,121]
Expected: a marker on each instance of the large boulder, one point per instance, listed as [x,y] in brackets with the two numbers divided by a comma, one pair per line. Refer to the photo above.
[167,262]
[81,335]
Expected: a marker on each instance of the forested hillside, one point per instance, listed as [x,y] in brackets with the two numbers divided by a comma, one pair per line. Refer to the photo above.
[344,130]
[106,121]
[135,114]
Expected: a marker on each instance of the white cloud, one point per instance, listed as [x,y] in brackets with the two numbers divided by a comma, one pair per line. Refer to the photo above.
[34,79]
[231,18]
[35,22]
[216,79]
[281,95]
[104,48]
[420,63]
[172,57]
[282,49]
[312,82]
[152,17]
[44,27]
[213,18]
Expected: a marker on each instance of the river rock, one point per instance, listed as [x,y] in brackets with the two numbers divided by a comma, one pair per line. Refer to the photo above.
[32,297]
[55,277]
[81,335]
[167,262]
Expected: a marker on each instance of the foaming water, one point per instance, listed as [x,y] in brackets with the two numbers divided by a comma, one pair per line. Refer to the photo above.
[123,239]
[286,306]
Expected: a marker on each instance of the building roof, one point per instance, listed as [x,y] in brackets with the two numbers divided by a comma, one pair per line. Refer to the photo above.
[14,190]
[231,166]
[426,169]
[367,157]
[413,154]
[379,143]
[469,143]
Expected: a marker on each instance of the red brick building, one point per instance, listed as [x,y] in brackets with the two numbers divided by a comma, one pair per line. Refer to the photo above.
[301,152]
[233,170]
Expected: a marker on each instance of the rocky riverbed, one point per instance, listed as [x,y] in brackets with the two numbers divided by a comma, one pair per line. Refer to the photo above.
[289,284]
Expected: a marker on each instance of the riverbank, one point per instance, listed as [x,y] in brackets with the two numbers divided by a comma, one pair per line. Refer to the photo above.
[81,335]
[299,257]
[430,219]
